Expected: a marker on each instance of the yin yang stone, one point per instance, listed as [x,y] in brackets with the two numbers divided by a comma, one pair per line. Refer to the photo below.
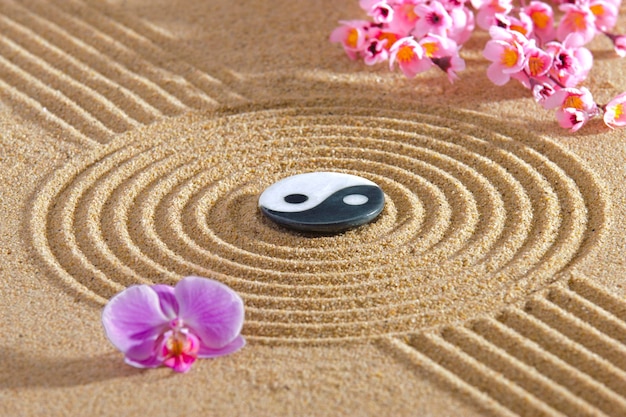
[322,201]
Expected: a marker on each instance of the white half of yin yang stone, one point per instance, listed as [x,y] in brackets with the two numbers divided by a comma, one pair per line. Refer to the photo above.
[317,186]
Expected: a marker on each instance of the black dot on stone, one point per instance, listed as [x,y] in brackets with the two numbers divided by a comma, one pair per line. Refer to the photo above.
[296,198]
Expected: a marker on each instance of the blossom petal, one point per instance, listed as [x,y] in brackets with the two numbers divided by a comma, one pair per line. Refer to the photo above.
[235,345]
[494,50]
[133,317]
[495,74]
[211,309]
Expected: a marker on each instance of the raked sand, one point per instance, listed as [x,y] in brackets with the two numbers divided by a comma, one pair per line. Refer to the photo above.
[136,137]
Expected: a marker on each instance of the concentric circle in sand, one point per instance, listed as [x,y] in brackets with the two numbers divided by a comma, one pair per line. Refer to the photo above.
[475,218]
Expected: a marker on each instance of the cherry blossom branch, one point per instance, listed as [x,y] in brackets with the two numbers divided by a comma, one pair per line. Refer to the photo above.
[527,45]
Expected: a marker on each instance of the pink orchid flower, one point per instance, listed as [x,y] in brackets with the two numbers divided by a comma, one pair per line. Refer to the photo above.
[614,112]
[351,35]
[575,106]
[579,20]
[173,326]
[506,53]
[542,17]
[432,18]
[410,56]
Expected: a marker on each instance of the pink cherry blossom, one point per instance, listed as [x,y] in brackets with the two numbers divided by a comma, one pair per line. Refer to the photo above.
[506,54]
[463,24]
[541,91]
[619,43]
[615,112]
[542,17]
[404,17]
[444,53]
[487,10]
[375,52]
[352,36]
[525,44]
[538,61]
[572,118]
[523,25]
[571,64]
[605,14]
[574,107]
[436,46]
[579,20]
[379,10]
[173,326]
[410,56]
[432,18]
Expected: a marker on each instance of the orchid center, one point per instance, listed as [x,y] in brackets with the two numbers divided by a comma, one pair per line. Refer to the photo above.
[177,344]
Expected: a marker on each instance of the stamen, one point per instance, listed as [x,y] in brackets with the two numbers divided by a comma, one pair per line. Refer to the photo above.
[406,54]
[540,19]
[619,110]
[509,57]
[353,38]
[535,65]
[573,102]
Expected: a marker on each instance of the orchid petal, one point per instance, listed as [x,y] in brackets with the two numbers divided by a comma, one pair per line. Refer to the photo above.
[212,310]
[132,317]
[152,361]
[235,345]
[167,300]
[144,352]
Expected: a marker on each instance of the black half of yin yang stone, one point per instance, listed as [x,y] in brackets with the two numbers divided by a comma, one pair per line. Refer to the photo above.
[332,214]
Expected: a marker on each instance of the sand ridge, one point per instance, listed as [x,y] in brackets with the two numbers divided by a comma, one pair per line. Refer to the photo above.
[163,202]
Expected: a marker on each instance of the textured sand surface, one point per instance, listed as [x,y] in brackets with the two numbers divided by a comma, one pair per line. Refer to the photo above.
[136,137]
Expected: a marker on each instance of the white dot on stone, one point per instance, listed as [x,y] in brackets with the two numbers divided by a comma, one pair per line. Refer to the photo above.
[355,199]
